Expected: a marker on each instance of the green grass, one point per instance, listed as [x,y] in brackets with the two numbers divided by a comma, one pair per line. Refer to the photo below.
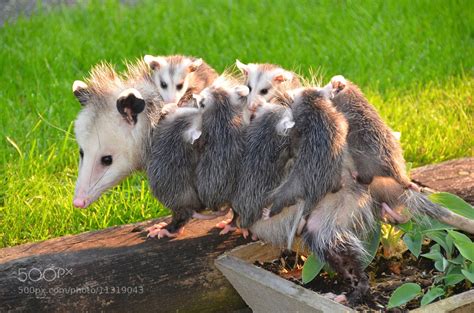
[414,59]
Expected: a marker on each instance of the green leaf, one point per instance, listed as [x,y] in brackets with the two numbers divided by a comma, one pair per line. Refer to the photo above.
[458,237]
[439,237]
[311,268]
[372,245]
[403,294]
[432,294]
[434,253]
[468,275]
[466,249]
[413,242]
[453,279]
[441,265]
[459,260]
[454,203]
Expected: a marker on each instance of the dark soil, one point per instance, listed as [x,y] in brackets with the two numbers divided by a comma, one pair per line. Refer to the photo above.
[385,276]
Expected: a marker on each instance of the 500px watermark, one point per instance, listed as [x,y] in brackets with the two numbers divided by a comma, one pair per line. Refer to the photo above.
[99,290]
[37,274]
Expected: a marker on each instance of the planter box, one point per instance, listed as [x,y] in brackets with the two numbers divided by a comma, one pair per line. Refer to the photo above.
[265,292]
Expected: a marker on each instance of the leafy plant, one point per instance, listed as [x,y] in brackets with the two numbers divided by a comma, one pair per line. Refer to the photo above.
[452,253]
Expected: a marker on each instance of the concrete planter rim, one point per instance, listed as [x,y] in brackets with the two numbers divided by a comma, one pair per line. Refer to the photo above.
[264,291]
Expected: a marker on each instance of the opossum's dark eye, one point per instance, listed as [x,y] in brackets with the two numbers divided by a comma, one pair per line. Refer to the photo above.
[250,88]
[163,85]
[106,160]
[179,86]
[81,153]
[264,91]
[201,103]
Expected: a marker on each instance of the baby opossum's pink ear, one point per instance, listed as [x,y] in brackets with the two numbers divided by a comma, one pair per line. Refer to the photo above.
[130,103]
[152,62]
[242,90]
[244,68]
[282,77]
[194,65]
[79,88]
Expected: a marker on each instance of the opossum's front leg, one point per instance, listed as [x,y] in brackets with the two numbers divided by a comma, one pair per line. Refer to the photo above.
[173,229]
[229,225]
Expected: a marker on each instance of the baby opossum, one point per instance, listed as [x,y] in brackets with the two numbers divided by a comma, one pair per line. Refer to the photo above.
[377,154]
[267,80]
[175,75]
[171,166]
[221,142]
[266,153]
[319,145]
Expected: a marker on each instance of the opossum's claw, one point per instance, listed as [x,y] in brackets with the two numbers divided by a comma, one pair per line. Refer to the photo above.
[227,229]
[266,213]
[156,226]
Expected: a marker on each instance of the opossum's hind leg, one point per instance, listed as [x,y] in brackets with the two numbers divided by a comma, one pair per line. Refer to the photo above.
[350,267]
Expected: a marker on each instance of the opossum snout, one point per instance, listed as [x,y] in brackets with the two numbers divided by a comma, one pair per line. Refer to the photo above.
[80,203]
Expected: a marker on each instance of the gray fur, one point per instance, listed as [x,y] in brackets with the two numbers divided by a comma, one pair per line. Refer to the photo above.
[263,165]
[171,168]
[222,146]
[375,150]
[320,146]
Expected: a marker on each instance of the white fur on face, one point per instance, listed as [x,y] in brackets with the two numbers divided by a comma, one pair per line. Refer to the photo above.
[172,80]
[261,83]
[100,136]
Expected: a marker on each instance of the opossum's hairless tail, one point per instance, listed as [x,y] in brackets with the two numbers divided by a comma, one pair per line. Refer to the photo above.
[296,223]
[420,205]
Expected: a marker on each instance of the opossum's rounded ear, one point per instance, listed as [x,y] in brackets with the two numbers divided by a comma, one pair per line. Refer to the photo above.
[194,65]
[244,68]
[152,62]
[283,76]
[242,90]
[130,103]
[79,88]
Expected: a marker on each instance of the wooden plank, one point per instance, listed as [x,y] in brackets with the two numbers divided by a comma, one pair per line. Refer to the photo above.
[118,269]
[456,176]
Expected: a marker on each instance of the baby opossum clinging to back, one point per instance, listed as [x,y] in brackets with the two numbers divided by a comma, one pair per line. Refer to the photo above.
[265,156]
[379,161]
[318,144]
[176,75]
[221,142]
[171,166]
[267,80]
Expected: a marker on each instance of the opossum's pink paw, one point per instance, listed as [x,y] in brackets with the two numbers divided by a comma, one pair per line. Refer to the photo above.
[391,215]
[338,298]
[224,223]
[245,232]
[414,187]
[266,213]
[156,226]
[254,237]
[161,233]
[227,229]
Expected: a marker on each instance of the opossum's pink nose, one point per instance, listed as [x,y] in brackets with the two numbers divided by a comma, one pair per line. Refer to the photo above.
[79,203]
